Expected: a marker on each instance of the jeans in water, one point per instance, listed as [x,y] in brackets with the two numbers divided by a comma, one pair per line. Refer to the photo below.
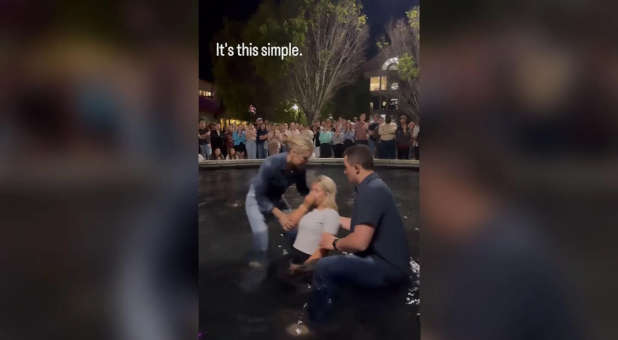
[258,219]
[336,272]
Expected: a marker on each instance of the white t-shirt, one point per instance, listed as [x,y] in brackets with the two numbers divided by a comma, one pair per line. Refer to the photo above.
[311,227]
[415,132]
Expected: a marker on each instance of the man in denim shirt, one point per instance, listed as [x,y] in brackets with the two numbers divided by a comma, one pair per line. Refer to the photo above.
[265,196]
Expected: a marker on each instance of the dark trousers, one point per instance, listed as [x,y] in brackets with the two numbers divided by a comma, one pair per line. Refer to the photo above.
[333,273]
[261,150]
[386,149]
[403,152]
[326,150]
[338,149]
[240,148]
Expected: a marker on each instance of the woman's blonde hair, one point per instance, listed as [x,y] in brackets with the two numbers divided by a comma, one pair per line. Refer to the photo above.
[299,143]
[330,188]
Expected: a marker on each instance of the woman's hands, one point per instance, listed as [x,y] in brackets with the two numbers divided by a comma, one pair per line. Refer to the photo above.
[284,219]
[289,221]
[286,222]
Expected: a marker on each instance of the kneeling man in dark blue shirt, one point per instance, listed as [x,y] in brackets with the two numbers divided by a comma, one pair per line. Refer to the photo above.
[377,242]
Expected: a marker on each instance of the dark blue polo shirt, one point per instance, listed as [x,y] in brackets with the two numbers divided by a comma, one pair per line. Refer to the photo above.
[375,206]
[273,180]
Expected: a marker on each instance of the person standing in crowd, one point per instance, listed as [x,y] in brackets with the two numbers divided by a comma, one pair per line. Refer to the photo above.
[326,139]
[361,131]
[403,138]
[216,139]
[316,139]
[274,141]
[307,133]
[228,140]
[341,123]
[269,127]
[284,135]
[203,136]
[239,137]
[377,242]
[261,136]
[250,142]
[348,135]
[416,140]
[338,138]
[387,130]
[294,130]
[374,136]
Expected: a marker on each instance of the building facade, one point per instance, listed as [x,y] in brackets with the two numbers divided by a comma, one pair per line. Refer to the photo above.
[209,106]
[383,84]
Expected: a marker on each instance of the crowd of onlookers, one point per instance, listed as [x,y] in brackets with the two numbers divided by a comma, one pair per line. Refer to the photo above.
[386,138]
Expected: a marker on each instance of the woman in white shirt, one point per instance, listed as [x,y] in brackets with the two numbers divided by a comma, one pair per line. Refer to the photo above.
[323,218]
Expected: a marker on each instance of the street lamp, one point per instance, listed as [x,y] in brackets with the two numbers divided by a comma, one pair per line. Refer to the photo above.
[295,109]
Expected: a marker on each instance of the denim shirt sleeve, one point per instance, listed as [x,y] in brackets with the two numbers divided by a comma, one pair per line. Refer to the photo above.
[261,186]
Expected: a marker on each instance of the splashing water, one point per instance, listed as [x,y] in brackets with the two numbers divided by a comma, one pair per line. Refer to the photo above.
[416,268]
[413,297]
[299,323]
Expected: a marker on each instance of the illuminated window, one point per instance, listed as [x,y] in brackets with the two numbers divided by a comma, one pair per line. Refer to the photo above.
[383,83]
[208,93]
[374,84]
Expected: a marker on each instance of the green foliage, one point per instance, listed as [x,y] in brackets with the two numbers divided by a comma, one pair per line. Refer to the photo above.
[382,43]
[264,81]
[313,16]
[352,100]
[414,20]
[408,69]
[285,113]
[261,81]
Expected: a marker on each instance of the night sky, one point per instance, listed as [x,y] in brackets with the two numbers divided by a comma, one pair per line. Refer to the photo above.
[212,13]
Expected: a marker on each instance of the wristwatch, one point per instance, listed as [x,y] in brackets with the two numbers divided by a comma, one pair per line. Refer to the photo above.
[335,244]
